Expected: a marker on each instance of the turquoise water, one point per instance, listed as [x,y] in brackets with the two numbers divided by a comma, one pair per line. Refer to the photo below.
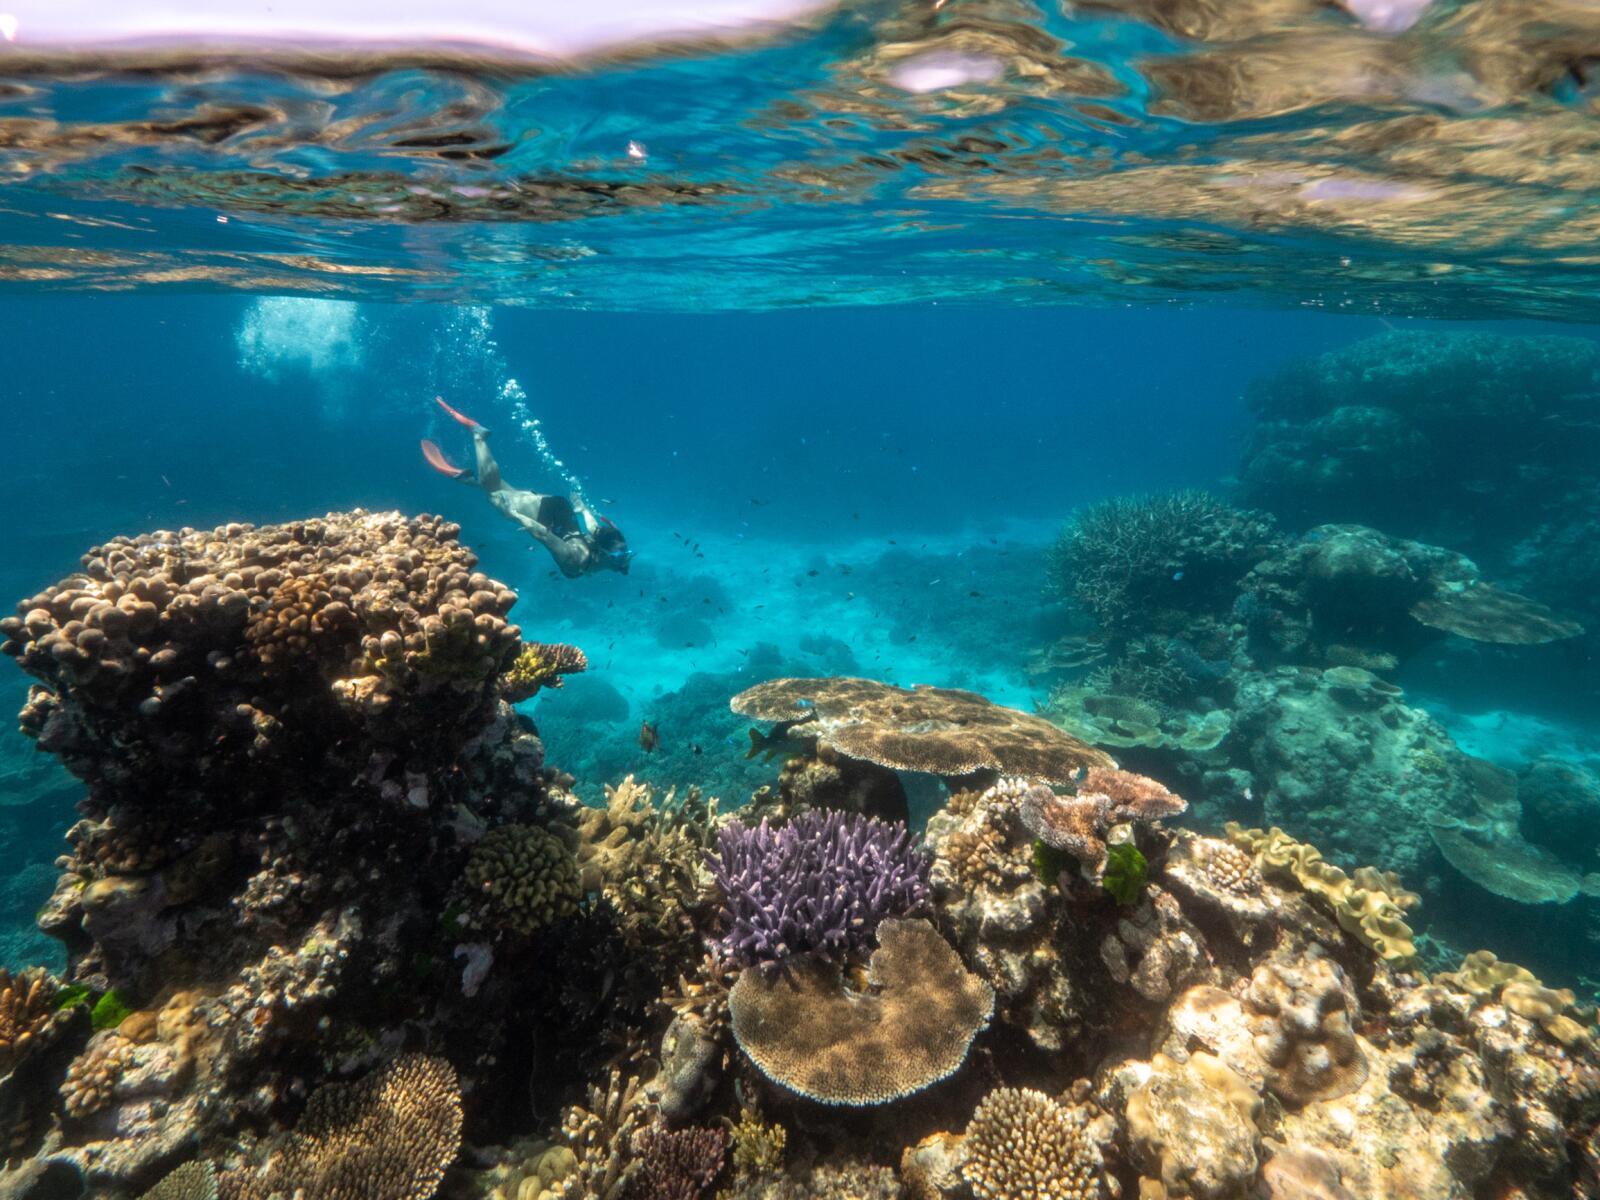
[1217,383]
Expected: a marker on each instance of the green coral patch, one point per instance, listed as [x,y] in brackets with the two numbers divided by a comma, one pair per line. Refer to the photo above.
[1125,873]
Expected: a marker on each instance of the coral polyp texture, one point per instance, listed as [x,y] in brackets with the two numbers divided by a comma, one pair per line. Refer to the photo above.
[1022,1145]
[820,885]
[806,1030]
[939,731]
[388,1136]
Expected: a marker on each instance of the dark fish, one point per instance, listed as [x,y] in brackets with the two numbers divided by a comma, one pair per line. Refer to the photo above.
[649,739]
[694,748]
[810,573]
[769,746]
[974,593]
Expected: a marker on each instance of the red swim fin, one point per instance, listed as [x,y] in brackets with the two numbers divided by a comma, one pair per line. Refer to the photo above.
[439,462]
[457,416]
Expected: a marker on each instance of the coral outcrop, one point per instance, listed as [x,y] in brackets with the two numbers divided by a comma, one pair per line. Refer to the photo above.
[1104,797]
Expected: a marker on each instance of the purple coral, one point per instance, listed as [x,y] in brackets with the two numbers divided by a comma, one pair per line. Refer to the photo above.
[819,885]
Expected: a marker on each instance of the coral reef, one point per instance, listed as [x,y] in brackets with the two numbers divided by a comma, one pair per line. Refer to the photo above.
[940,731]
[820,885]
[1022,1145]
[329,924]
[910,1028]
[1158,563]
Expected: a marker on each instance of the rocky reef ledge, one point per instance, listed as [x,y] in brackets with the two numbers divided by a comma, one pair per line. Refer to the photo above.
[335,931]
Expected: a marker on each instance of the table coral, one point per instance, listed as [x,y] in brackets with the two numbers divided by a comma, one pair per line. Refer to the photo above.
[1022,1145]
[910,1028]
[387,1136]
[540,665]
[939,731]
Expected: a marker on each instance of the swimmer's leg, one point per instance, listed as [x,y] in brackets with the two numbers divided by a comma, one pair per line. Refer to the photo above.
[488,470]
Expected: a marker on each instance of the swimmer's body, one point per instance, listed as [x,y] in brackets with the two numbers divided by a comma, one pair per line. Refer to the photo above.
[579,539]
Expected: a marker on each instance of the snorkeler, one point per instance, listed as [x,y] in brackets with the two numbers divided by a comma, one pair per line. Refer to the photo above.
[578,538]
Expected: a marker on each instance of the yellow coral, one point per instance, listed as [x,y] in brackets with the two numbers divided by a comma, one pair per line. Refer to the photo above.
[1519,989]
[758,1147]
[1368,904]
[540,665]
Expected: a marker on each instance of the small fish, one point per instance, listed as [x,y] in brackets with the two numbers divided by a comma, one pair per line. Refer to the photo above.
[811,573]
[768,746]
[694,748]
[649,739]
[1177,576]
[974,595]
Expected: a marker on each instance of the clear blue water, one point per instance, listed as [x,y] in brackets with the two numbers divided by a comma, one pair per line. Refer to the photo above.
[844,358]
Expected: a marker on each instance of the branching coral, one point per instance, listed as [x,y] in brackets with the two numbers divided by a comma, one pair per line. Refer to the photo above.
[1022,1145]
[540,665]
[1368,904]
[1154,562]
[819,885]
[758,1146]
[675,1164]
[521,878]
[804,1029]
[94,1073]
[26,1006]
[388,1136]
[600,1132]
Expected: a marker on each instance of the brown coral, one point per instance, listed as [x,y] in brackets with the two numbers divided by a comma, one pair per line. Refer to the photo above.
[388,1136]
[25,1009]
[1301,1016]
[600,1132]
[540,665]
[1483,612]
[94,1073]
[1022,1145]
[941,731]
[675,1164]
[1192,1127]
[806,1031]
[1105,797]
[521,878]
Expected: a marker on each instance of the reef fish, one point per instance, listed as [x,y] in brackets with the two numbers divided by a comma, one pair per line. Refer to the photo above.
[649,739]
[772,745]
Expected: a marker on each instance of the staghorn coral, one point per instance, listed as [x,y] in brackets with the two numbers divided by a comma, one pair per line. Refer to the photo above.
[521,878]
[819,885]
[540,665]
[196,1180]
[1155,563]
[600,1133]
[1301,1015]
[675,1164]
[804,1030]
[940,731]
[26,1007]
[1368,905]
[1105,797]
[388,1136]
[1022,1145]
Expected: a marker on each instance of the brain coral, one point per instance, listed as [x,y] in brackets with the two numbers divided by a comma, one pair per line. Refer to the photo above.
[1022,1145]
[804,1029]
[819,885]
[388,1136]
[521,878]
[940,731]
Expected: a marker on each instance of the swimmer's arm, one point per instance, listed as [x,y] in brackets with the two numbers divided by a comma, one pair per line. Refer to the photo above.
[585,514]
